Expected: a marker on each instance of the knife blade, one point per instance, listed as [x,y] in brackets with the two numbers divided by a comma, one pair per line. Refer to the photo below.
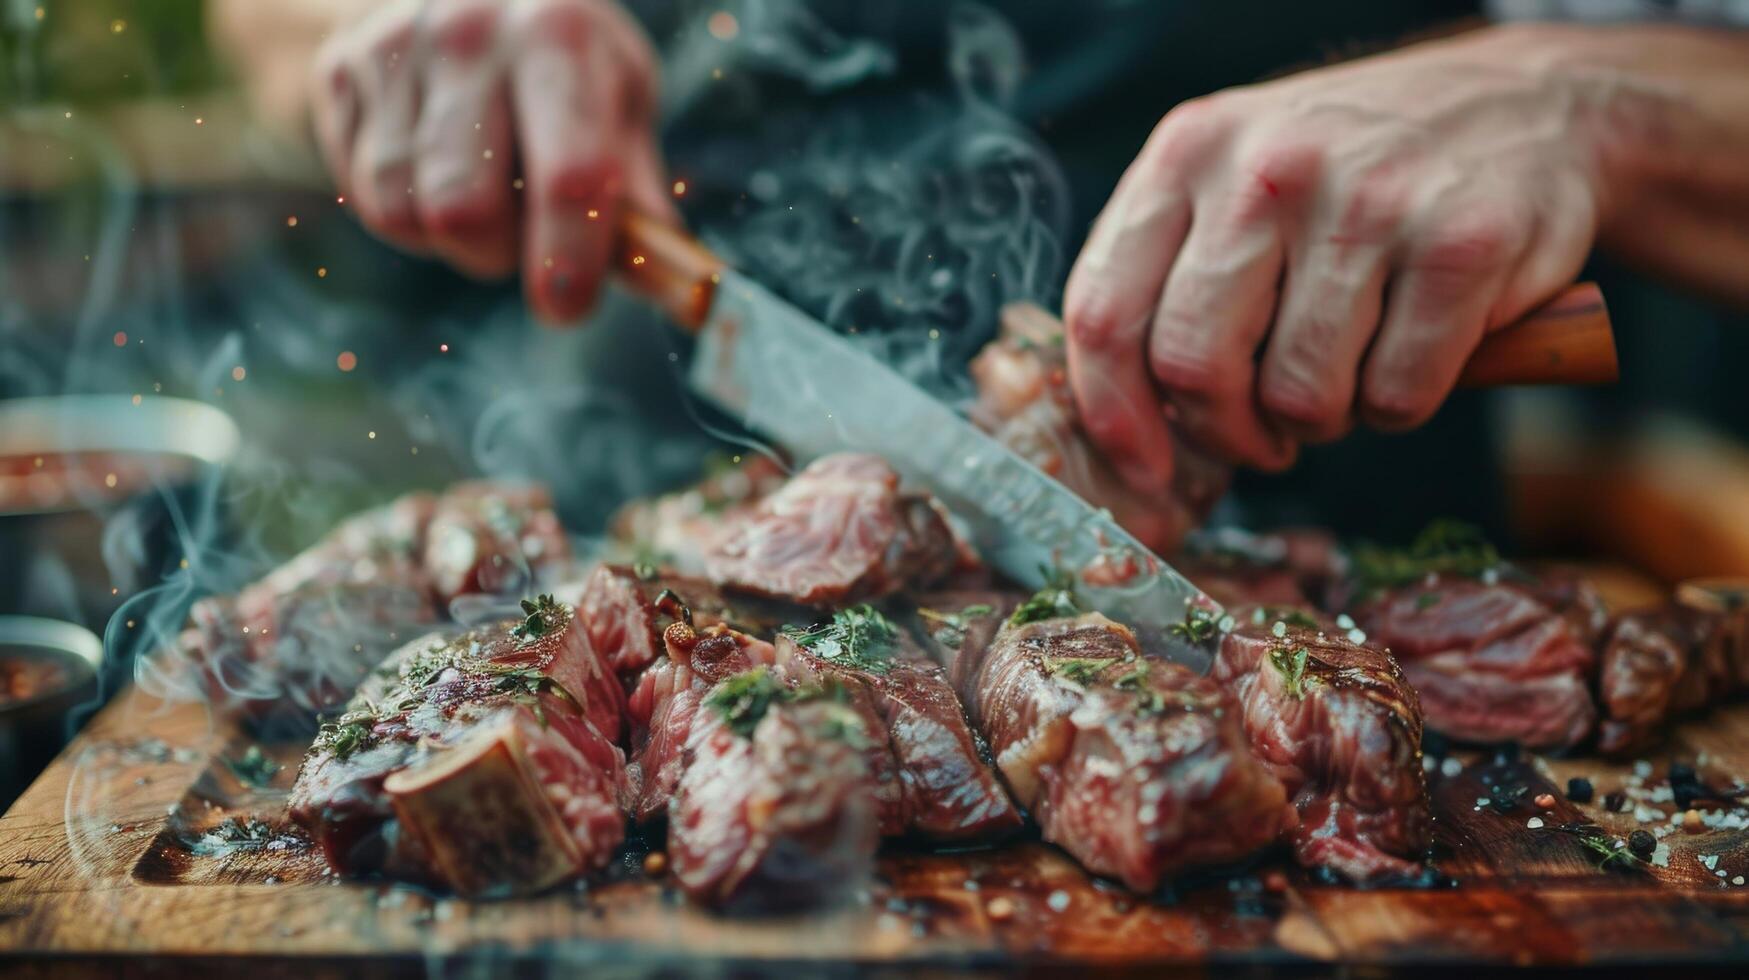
[791,378]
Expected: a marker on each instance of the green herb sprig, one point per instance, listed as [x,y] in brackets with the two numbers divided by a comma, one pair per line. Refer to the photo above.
[1444,547]
[1198,627]
[1057,600]
[542,617]
[253,768]
[1292,665]
[859,636]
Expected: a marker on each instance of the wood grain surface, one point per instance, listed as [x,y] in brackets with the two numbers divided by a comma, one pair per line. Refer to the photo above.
[101,868]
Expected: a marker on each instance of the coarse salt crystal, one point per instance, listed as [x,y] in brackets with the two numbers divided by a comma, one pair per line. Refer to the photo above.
[1058,901]
[1711,861]
[1642,768]
[1344,621]
[1450,767]
[1720,872]
[1279,629]
[1491,577]
[1483,801]
[1534,822]
[1737,880]
[1661,856]
[1226,624]
[1356,636]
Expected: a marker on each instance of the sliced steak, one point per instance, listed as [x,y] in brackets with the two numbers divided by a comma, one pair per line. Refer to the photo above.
[477,761]
[840,531]
[1136,767]
[1661,663]
[1492,661]
[665,704]
[493,539]
[776,808]
[302,651]
[1024,401]
[943,787]
[675,530]
[627,608]
[1339,725]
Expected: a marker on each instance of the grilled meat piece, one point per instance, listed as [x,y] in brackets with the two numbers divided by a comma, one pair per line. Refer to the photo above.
[664,706]
[776,808]
[1657,664]
[627,609]
[1491,661]
[1341,728]
[1025,403]
[840,531]
[942,787]
[477,761]
[676,529]
[306,649]
[948,623]
[492,539]
[1136,767]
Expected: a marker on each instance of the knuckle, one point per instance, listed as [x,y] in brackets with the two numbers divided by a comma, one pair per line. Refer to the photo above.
[463,31]
[1398,404]
[1477,243]
[1097,323]
[562,24]
[1186,131]
[1317,407]
[581,181]
[1375,206]
[1190,369]
[1282,167]
[461,217]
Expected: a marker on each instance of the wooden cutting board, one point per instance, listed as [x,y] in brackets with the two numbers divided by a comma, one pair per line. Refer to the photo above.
[102,865]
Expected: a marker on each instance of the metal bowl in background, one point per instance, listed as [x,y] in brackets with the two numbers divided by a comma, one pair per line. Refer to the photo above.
[47,668]
[73,466]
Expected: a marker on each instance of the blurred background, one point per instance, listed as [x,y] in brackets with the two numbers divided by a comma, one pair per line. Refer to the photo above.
[166,234]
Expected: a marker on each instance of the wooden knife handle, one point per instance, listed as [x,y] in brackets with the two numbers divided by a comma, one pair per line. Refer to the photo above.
[667,266]
[1566,341]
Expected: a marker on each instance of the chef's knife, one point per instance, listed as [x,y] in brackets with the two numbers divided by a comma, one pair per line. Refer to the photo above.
[788,376]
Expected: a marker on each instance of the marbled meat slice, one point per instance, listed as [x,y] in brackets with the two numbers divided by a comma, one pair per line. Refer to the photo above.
[675,530]
[776,808]
[1339,725]
[840,531]
[1023,400]
[478,761]
[1136,767]
[665,704]
[1492,661]
[943,785]
[1660,663]
[493,539]
[627,607]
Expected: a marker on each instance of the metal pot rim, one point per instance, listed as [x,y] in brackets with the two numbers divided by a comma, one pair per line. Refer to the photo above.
[43,633]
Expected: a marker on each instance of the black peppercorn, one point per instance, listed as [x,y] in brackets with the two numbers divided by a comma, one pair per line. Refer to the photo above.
[1579,789]
[1615,802]
[1642,844]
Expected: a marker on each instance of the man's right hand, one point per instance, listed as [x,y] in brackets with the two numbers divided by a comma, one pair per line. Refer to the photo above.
[495,134]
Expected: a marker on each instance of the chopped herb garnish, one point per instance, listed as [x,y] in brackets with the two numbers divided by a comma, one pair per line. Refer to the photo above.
[1057,600]
[1445,547]
[254,768]
[844,725]
[344,737]
[951,632]
[1292,665]
[1605,847]
[1197,628]
[743,699]
[645,571]
[1427,600]
[542,615]
[1076,670]
[857,637]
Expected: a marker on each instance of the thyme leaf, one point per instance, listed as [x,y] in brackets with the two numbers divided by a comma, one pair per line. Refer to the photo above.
[1076,670]
[1197,628]
[1292,665]
[859,636]
[543,614]
[1444,547]
[254,768]
[1057,600]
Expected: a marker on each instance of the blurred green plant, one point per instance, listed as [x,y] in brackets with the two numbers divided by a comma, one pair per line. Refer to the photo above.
[95,52]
